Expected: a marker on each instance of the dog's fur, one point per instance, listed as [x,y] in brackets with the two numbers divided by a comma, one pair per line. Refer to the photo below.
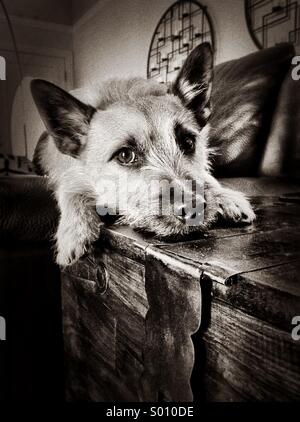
[168,131]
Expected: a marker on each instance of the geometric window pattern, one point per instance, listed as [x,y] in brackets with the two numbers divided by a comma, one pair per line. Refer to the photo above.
[271,22]
[185,25]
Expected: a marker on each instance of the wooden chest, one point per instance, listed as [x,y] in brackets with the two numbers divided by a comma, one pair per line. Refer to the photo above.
[207,319]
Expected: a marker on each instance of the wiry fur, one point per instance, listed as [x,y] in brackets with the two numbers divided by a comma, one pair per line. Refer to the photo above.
[123,111]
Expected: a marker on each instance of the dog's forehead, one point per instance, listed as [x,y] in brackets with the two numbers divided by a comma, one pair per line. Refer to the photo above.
[148,121]
[163,110]
[149,116]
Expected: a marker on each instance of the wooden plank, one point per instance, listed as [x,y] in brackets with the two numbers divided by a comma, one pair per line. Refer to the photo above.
[284,278]
[128,242]
[242,253]
[127,281]
[254,358]
[89,333]
[123,240]
[104,332]
[232,264]
[266,303]
[217,389]
[174,314]
[271,215]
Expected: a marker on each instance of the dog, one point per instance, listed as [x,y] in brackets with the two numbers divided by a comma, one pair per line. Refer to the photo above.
[137,131]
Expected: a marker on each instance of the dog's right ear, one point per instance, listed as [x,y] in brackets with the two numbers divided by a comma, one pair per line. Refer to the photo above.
[66,118]
[194,82]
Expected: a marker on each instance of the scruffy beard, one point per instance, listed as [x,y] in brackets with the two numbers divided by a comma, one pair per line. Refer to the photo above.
[162,227]
[167,226]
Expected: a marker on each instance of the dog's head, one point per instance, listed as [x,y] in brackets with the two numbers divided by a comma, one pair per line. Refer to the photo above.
[144,143]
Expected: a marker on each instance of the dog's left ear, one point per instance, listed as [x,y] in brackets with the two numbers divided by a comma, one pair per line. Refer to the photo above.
[194,82]
[66,118]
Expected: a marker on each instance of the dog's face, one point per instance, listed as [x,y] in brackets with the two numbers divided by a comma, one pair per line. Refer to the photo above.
[135,149]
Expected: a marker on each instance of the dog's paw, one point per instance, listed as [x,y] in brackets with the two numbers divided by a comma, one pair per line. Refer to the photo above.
[69,255]
[72,243]
[233,206]
[70,247]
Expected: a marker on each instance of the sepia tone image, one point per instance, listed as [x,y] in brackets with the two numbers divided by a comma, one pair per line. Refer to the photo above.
[150,202]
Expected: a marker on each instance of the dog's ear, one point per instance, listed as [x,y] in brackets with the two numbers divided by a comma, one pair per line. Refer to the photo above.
[194,82]
[66,118]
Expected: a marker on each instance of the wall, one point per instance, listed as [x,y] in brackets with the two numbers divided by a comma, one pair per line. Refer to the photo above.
[34,33]
[115,41]
[63,12]
[80,7]
[46,52]
[57,11]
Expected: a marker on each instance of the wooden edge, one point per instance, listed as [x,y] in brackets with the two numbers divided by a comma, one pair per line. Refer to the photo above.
[174,315]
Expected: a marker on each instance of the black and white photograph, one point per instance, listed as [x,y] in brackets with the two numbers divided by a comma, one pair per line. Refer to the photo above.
[150,203]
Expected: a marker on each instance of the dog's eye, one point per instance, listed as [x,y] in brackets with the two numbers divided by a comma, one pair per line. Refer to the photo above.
[126,156]
[188,146]
[185,139]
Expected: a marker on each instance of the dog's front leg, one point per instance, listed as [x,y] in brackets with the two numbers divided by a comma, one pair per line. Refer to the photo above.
[79,226]
[227,203]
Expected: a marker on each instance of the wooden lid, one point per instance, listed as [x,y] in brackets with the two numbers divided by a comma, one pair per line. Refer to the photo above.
[253,268]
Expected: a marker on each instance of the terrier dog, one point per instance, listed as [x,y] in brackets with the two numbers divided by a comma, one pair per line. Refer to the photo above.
[135,131]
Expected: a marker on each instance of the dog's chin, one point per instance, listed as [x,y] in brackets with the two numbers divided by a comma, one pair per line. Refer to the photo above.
[167,228]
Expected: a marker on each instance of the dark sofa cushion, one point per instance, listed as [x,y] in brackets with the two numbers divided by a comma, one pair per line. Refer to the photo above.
[28,210]
[282,154]
[244,99]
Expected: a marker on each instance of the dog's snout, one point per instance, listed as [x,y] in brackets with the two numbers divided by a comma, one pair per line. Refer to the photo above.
[186,214]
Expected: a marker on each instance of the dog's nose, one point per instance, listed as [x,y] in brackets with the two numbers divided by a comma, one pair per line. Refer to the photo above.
[184,214]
